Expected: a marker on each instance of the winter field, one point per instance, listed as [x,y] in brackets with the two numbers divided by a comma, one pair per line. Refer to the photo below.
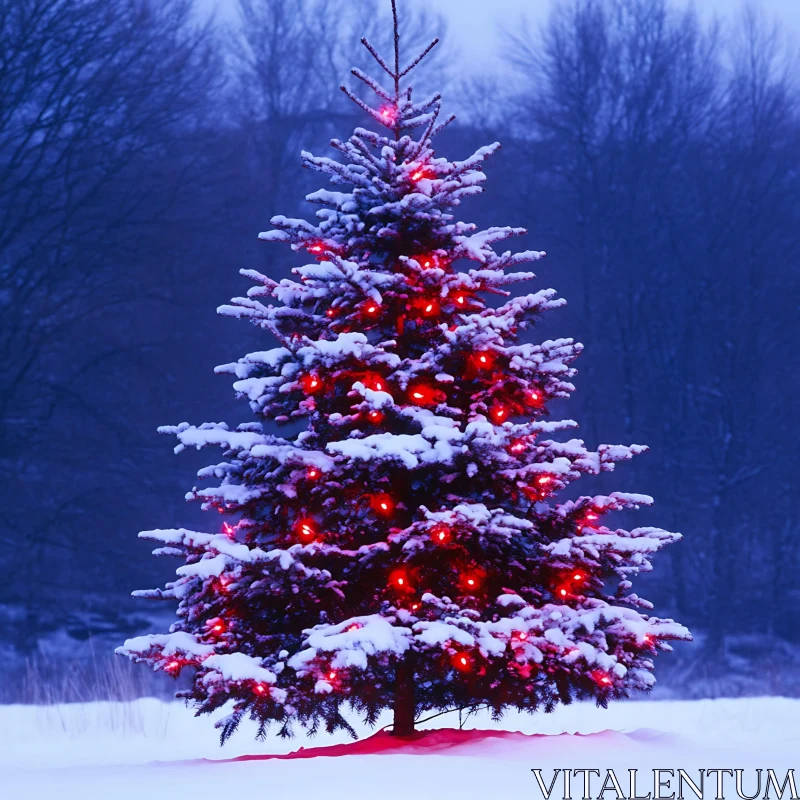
[152,749]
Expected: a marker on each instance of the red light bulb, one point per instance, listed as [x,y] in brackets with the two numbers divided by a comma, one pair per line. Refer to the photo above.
[470,582]
[332,676]
[313,473]
[374,381]
[517,446]
[228,529]
[462,662]
[375,417]
[534,397]
[311,383]
[441,534]
[261,689]
[414,606]
[544,480]
[173,665]
[522,636]
[315,248]
[419,173]
[400,580]
[422,395]
[499,414]
[371,308]
[578,576]
[305,528]
[382,504]
[330,313]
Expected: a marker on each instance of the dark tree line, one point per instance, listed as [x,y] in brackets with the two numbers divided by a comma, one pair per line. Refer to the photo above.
[141,150]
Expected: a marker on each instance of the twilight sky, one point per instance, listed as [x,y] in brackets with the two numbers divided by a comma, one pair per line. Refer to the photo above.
[473,24]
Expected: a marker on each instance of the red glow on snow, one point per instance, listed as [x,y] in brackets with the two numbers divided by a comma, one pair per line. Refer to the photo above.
[517,446]
[305,527]
[311,383]
[354,627]
[382,504]
[388,114]
[375,417]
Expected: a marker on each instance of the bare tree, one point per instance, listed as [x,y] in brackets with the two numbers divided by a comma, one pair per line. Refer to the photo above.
[96,99]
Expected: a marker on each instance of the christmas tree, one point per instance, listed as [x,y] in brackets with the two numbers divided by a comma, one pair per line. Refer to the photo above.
[404,550]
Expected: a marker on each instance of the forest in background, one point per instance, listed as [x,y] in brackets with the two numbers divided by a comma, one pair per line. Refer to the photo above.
[654,156]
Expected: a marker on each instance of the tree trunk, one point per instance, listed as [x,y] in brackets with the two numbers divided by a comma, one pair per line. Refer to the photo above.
[404,705]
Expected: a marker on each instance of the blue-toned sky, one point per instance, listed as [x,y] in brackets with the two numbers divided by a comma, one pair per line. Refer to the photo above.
[474,24]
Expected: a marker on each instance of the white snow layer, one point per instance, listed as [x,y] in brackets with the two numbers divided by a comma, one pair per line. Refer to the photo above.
[159,750]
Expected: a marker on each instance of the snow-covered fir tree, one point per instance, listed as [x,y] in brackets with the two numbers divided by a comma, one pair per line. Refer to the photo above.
[405,550]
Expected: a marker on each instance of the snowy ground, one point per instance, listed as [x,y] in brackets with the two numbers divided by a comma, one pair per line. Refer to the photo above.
[150,749]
